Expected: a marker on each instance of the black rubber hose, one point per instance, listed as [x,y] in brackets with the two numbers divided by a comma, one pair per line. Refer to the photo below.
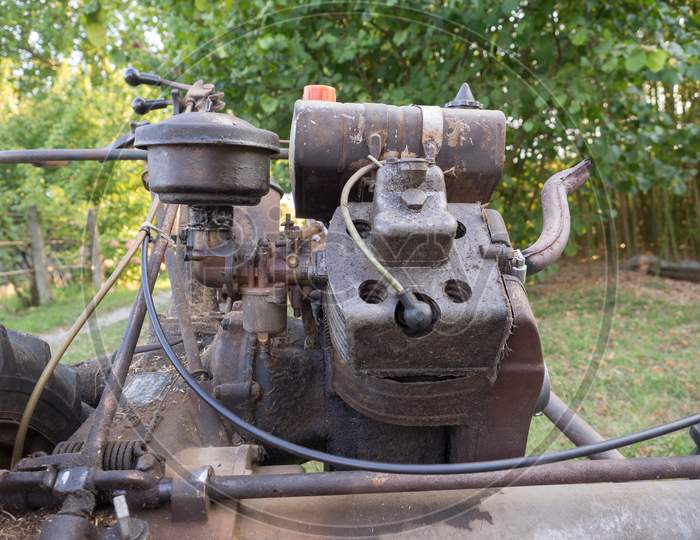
[377,466]
[154,347]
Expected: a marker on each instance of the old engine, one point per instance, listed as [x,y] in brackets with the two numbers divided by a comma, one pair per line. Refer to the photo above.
[385,329]
[394,325]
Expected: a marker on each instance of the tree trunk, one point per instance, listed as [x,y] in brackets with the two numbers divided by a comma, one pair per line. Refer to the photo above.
[624,218]
[696,204]
[94,249]
[41,272]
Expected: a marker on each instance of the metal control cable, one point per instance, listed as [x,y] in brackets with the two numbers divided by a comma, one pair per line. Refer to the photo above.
[377,466]
[73,331]
[352,230]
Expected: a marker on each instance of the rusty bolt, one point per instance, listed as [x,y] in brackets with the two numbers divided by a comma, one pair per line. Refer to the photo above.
[146,462]
[255,391]
[292,260]
[414,198]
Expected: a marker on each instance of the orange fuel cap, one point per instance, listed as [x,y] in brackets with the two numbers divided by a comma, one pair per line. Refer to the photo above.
[319,92]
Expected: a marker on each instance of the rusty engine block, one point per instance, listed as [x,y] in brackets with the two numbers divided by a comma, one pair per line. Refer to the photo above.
[451,369]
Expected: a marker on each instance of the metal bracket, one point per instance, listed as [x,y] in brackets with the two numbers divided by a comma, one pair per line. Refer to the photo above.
[72,480]
[432,131]
[189,501]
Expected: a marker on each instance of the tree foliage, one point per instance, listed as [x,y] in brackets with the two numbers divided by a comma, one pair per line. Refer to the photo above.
[616,81]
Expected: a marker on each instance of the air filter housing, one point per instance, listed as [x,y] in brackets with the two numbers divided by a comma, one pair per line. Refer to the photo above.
[206,158]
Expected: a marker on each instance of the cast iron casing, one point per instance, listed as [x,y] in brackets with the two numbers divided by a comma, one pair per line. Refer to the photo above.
[411,225]
[390,375]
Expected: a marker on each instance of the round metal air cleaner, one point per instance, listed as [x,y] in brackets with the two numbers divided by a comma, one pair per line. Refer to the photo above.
[206,158]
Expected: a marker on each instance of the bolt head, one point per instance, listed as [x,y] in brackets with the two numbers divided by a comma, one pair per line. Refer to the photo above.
[292,260]
[146,462]
[414,198]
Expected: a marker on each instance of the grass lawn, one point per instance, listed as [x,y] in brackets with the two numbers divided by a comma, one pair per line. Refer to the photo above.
[102,342]
[67,305]
[646,373]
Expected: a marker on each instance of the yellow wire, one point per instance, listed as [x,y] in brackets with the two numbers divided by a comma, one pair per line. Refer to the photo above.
[350,226]
[43,380]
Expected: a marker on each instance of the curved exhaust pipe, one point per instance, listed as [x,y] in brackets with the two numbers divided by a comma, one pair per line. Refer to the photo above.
[556,219]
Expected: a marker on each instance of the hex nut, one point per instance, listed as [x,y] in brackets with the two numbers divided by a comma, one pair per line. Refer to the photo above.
[414,198]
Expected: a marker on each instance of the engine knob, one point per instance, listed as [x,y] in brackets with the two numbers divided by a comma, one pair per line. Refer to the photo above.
[134,77]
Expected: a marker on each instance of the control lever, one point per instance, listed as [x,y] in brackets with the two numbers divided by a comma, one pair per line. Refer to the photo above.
[199,96]
[142,106]
[134,77]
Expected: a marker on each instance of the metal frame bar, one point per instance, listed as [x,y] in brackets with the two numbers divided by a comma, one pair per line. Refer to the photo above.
[360,482]
[109,402]
[41,155]
[44,156]
[575,428]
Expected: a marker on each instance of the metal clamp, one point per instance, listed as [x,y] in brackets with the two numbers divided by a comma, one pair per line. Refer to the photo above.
[189,500]
[147,227]
[431,136]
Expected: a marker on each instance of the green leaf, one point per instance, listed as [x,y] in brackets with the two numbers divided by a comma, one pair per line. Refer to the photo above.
[609,65]
[676,50]
[528,126]
[400,37]
[656,60]
[508,6]
[269,104]
[571,249]
[636,60]
[693,71]
[579,37]
[266,42]
[669,76]
[96,33]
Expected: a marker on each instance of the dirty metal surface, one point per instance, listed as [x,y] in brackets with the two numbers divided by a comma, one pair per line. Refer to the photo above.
[411,225]
[633,510]
[295,401]
[144,388]
[207,158]
[638,510]
[330,141]
[470,334]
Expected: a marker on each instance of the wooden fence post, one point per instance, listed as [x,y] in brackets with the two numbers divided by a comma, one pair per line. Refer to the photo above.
[41,272]
[94,247]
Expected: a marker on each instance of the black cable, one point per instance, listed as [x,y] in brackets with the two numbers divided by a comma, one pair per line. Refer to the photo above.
[140,349]
[151,347]
[377,466]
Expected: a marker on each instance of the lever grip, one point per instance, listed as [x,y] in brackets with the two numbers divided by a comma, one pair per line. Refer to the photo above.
[142,106]
[134,77]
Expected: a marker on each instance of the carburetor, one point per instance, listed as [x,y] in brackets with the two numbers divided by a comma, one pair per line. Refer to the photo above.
[411,337]
[211,162]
